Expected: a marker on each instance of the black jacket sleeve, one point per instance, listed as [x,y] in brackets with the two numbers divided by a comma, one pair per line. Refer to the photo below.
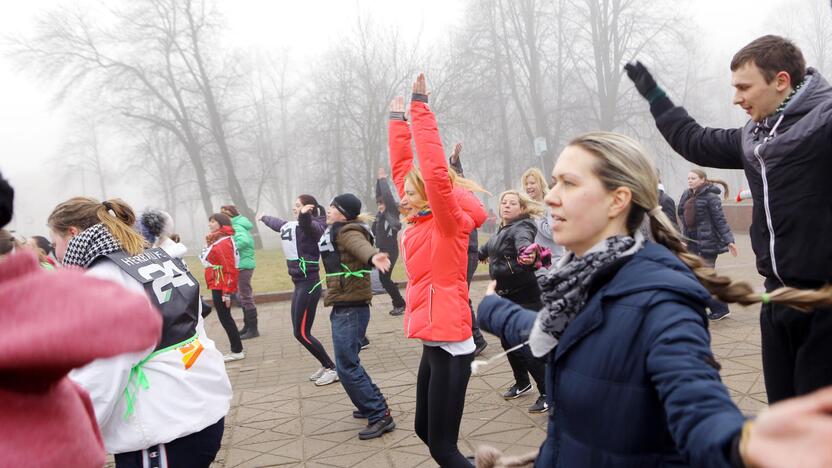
[391,209]
[669,208]
[457,166]
[524,235]
[709,147]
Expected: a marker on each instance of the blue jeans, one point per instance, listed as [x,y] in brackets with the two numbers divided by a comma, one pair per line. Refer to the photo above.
[349,325]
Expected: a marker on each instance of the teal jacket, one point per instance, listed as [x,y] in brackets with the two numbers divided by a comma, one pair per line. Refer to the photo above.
[244,241]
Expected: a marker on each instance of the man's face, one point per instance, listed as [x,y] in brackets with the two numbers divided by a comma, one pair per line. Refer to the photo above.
[758,98]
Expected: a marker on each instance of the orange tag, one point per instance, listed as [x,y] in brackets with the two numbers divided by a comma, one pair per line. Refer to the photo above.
[190,352]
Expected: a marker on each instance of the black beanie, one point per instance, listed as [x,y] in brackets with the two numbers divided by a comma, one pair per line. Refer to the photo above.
[348,204]
[6,201]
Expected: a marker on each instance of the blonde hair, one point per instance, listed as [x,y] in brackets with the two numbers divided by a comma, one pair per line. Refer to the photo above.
[85,212]
[538,176]
[365,218]
[623,162]
[418,182]
[702,175]
[527,205]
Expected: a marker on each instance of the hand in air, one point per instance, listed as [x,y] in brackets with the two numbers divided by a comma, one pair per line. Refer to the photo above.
[307,208]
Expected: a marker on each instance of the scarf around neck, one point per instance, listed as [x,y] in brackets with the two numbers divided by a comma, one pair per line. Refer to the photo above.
[90,244]
[565,288]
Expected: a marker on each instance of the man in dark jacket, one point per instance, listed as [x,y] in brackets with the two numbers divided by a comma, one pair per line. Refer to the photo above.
[473,246]
[386,229]
[668,206]
[786,152]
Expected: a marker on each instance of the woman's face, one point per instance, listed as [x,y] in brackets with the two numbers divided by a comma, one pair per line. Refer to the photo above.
[334,216]
[213,225]
[60,241]
[694,181]
[533,189]
[510,208]
[410,199]
[296,207]
[583,212]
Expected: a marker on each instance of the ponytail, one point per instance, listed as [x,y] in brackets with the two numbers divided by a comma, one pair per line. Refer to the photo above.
[85,212]
[725,289]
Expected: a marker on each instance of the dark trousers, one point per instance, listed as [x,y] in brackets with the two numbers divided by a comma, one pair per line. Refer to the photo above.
[245,293]
[387,281]
[716,306]
[349,326]
[304,307]
[523,363]
[195,450]
[796,350]
[475,329]
[440,398]
[227,321]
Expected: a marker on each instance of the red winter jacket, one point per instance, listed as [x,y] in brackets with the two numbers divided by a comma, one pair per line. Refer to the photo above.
[220,260]
[54,321]
[435,247]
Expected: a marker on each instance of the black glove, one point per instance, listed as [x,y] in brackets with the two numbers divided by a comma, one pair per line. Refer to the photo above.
[645,84]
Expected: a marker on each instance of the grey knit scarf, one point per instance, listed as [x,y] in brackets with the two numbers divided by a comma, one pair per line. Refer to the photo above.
[565,288]
[90,244]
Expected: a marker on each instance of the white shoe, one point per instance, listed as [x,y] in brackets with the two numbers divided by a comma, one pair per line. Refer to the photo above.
[233,356]
[329,376]
[317,375]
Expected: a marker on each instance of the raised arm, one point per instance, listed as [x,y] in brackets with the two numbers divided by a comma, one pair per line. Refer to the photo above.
[710,147]
[272,222]
[310,225]
[455,161]
[398,141]
[440,192]
[391,212]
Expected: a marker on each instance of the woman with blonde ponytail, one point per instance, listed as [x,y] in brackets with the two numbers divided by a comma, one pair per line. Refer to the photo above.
[632,379]
[169,401]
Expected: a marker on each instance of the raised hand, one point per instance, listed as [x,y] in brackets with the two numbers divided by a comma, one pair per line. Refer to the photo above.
[307,208]
[420,85]
[397,104]
[381,261]
[641,77]
[455,154]
[259,216]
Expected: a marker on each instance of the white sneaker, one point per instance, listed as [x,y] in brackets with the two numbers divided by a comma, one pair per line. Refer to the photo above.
[317,375]
[234,356]
[329,376]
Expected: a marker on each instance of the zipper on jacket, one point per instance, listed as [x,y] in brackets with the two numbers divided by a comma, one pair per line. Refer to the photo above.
[430,305]
[769,223]
[508,262]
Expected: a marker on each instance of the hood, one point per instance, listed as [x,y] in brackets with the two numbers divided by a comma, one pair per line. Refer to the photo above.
[227,230]
[814,92]
[710,188]
[652,268]
[242,222]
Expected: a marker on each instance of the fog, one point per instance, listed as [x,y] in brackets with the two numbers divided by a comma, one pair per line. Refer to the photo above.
[189,105]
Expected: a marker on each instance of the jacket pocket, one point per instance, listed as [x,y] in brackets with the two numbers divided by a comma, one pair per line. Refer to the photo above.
[430,305]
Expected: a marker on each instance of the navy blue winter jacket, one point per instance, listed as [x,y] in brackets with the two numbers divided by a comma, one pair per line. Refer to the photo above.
[630,384]
[710,233]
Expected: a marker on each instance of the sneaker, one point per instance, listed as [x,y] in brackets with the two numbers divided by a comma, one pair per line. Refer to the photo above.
[233,356]
[329,376]
[397,311]
[480,347]
[378,428]
[714,316]
[365,343]
[514,391]
[539,406]
[317,375]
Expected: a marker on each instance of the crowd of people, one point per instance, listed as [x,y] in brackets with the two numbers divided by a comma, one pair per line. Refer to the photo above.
[601,296]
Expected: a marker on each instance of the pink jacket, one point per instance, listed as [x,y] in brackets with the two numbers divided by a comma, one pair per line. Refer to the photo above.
[54,322]
[435,247]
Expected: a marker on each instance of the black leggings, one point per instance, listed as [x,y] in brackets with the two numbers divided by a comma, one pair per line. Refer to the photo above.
[304,306]
[440,399]
[227,321]
[522,361]
[196,450]
[388,283]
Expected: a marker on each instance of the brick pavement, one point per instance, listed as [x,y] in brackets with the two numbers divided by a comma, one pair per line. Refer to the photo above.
[279,418]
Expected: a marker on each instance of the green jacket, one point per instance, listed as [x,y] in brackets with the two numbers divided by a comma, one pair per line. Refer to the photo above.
[244,241]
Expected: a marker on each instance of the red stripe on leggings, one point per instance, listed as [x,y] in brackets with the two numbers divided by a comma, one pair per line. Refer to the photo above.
[303,326]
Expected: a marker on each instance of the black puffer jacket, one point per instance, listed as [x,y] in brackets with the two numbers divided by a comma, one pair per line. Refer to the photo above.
[787,160]
[710,233]
[502,250]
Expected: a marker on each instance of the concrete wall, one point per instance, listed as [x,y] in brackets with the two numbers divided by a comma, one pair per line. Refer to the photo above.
[738,216]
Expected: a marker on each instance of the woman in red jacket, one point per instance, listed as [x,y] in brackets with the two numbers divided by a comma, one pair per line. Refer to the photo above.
[220,260]
[441,212]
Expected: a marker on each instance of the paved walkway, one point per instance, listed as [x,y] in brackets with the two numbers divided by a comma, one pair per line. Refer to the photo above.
[279,418]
